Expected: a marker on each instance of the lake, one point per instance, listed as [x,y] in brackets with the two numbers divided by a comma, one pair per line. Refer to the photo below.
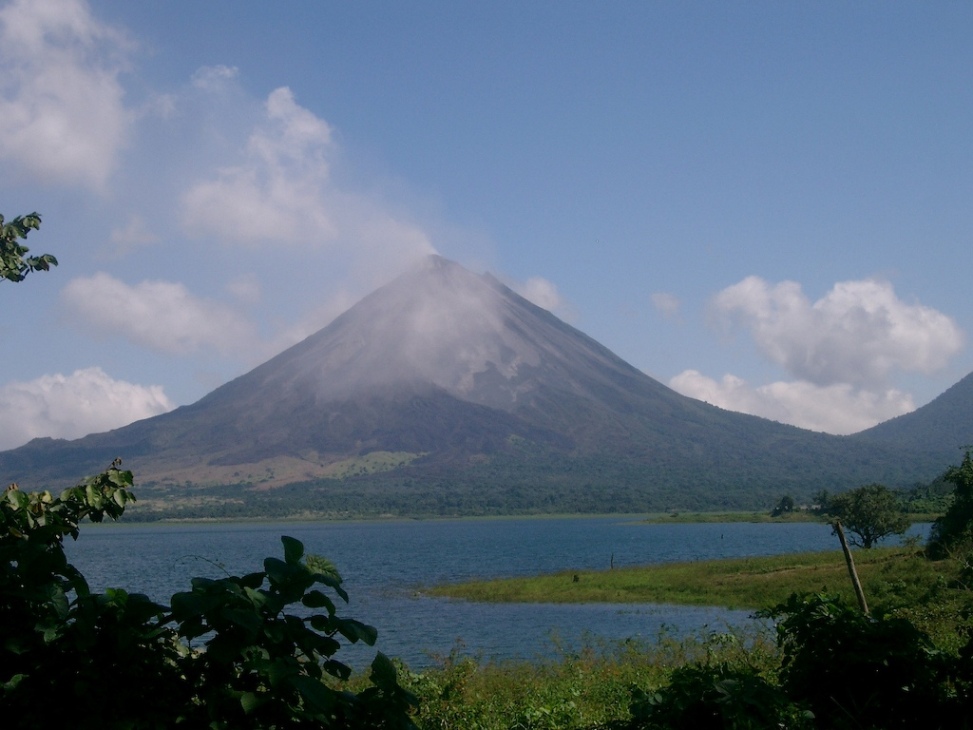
[386,564]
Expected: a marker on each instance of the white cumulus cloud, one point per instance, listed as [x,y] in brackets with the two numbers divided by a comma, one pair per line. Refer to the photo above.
[858,333]
[841,352]
[71,406]
[838,408]
[161,315]
[62,113]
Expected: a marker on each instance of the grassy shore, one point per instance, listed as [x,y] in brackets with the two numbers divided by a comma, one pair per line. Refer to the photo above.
[735,583]
[897,580]
[677,518]
[590,690]
[665,518]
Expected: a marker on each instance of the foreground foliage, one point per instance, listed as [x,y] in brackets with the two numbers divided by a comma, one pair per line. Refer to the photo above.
[585,687]
[839,668]
[225,654]
[853,670]
[15,264]
[830,667]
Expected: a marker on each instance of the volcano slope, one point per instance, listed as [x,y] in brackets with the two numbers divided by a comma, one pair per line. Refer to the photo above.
[444,392]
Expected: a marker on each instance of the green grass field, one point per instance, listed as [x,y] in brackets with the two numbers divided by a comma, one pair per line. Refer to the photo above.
[895,580]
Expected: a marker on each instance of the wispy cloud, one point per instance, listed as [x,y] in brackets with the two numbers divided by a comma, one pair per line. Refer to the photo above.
[542,292]
[666,304]
[280,192]
[159,315]
[277,193]
[134,234]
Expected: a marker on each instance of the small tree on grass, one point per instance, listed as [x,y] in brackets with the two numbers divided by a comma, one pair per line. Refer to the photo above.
[870,513]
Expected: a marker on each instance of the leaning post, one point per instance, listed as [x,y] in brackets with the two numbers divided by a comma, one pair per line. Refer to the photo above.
[850,562]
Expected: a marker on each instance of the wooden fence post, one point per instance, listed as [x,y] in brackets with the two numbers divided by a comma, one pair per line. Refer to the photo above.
[850,561]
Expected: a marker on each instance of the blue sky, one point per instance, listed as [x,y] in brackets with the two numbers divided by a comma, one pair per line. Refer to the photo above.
[768,206]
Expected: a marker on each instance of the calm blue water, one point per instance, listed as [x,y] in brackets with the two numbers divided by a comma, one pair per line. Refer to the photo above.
[386,564]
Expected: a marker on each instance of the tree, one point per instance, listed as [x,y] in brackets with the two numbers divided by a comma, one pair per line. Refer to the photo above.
[15,264]
[784,506]
[955,528]
[819,502]
[869,512]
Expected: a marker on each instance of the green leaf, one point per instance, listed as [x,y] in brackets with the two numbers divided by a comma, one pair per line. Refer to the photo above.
[286,575]
[337,669]
[316,599]
[250,702]
[190,603]
[275,632]
[282,669]
[293,549]
[17,498]
[356,631]
[324,570]
[325,645]
[252,580]
[244,618]
[383,671]
[315,694]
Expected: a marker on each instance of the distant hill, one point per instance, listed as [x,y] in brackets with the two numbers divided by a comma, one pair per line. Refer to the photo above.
[940,430]
[445,392]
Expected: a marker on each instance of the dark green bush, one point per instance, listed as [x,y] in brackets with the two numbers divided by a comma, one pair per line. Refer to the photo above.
[858,671]
[840,669]
[716,697]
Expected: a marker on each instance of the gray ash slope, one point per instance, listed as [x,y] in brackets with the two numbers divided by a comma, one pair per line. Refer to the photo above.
[475,385]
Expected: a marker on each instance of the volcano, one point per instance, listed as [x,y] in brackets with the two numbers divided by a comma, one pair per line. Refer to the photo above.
[446,389]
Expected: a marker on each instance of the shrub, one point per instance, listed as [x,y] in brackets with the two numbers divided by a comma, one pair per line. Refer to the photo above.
[858,671]
[714,697]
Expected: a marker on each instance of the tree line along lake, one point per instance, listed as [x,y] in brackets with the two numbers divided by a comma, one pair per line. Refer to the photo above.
[387,564]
